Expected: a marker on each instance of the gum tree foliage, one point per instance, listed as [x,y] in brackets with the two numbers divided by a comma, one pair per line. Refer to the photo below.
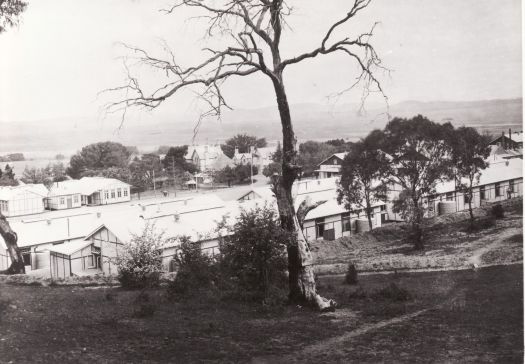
[175,160]
[362,174]
[243,142]
[140,260]
[142,170]
[48,175]
[96,157]
[470,150]
[10,11]
[253,30]
[420,157]
[311,153]
[7,178]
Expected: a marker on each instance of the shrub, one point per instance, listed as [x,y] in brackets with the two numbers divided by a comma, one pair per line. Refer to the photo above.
[497,211]
[481,224]
[196,271]
[351,274]
[253,256]
[140,262]
[393,293]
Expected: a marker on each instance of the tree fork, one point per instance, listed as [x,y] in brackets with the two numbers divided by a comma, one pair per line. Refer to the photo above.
[10,238]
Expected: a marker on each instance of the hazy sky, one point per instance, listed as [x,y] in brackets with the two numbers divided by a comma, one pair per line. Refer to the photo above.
[64,52]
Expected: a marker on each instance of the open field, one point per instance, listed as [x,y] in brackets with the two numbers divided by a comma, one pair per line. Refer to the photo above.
[448,244]
[461,316]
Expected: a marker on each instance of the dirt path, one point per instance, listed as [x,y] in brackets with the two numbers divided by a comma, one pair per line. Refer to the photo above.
[493,241]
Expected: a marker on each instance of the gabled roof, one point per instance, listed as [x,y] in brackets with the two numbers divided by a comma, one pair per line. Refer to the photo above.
[8,193]
[340,156]
[495,172]
[70,247]
[84,186]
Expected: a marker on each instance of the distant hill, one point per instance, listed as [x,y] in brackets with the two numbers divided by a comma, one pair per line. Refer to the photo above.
[311,121]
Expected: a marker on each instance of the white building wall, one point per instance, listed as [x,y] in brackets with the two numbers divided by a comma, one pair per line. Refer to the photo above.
[114,193]
[25,204]
[64,202]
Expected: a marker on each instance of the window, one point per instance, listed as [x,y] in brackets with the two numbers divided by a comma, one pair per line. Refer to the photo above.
[125,192]
[75,198]
[466,197]
[336,162]
[91,261]
[319,227]
[106,194]
[119,192]
[62,200]
[112,193]
[511,185]
[450,196]
[497,188]
[482,193]
[26,255]
[383,207]
[345,221]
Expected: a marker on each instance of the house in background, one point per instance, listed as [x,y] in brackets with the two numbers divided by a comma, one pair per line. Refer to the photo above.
[331,166]
[258,157]
[24,199]
[92,191]
[64,195]
[207,157]
[511,141]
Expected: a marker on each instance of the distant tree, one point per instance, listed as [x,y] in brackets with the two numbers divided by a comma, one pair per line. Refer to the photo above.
[243,142]
[16,157]
[96,157]
[420,154]
[362,174]
[10,11]
[340,145]
[163,149]
[36,175]
[237,174]
[60,157]
[143,169]
[175,159]
[312,153]
[132,149]
[58,172]
[469,153]
[271,169]
[121,173]
[8,177]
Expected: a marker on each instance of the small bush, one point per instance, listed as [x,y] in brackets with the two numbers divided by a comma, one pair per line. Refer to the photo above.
[196,270]
[497,211]
[253,256]
[481,223]
[392,293]
[140,261]
[351,274]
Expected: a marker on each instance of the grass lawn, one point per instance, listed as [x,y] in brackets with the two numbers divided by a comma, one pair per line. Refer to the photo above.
[473,316]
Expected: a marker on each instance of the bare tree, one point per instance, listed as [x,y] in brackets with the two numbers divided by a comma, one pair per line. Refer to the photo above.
[254,28]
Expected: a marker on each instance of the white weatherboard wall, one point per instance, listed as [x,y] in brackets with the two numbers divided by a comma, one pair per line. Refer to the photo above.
[64,202]
[109,246]
[114,193]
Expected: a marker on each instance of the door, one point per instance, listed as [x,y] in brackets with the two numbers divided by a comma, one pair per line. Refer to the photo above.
[69,202]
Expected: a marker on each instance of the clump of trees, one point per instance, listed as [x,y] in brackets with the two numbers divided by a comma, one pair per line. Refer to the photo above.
[236,175]
[55,172]
[251,265]
[243,142]
[411,156]
[98,158]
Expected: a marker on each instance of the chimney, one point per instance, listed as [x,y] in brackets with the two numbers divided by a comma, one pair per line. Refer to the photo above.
[99,214]
[503,139]
[48,221]
[143,208]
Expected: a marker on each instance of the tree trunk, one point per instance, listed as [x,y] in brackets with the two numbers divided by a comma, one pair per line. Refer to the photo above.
[300,264]
[417,232]
[369,212]
[10,239]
